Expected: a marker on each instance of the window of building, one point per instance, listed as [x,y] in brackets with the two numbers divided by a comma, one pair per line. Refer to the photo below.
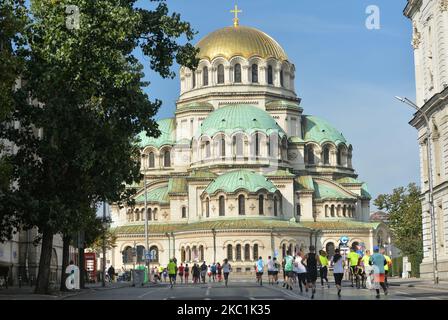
[167,159]
[128,255]
[223,146]
[254,73]
[281,78]
[207,207]
[221,206]
[257,144]
[247,252]
[238,252]
[220,74]
[255,255]
[151,160]
[193,77]
[238,145]
[237,73]
[339,156]
[207,150]
[275,206]
[205,76]
[184,212]
[310,154]
[140,254]
[201,253]
[270,75]
[298,213]
[326,155]
[229,252]
[241,205]
[260,205]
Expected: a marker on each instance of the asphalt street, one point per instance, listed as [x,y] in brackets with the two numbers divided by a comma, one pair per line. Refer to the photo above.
[247,289]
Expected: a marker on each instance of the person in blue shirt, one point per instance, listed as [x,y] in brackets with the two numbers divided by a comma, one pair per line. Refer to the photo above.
[378,262]
[259,266]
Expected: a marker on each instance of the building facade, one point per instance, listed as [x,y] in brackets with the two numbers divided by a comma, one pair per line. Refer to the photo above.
[239,171]
[430,42]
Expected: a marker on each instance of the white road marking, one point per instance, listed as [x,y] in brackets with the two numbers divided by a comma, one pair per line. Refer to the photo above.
[436,298]
[207,293]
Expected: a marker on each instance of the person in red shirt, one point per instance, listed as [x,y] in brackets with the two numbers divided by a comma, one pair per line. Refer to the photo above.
[181,272]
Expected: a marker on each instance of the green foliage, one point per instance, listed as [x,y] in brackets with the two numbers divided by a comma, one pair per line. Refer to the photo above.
[405,220]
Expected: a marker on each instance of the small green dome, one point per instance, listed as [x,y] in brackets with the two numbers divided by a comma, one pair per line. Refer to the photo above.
[240,179]
[320,131]
[167,136]
[234,118]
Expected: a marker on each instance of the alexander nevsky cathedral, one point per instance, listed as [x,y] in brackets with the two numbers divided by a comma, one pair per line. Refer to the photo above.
[240,171]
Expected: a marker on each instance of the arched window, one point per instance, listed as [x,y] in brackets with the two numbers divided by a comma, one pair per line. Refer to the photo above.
[329,248]
[241,205]
[247,252]
[270,75]
[339,156]
[260,205]
[310,154]
[184,212]
[207,150]
[298,212]
[238,145]
[254,73]
[140,254]
[205,76]
[182,254]
[275,206]
[237,73]
[332,211]
[193,77]
[167,159]
[188,254]
[155,214]
[149,214]
[194,252]
[201,253]
[151,160]
[207,207]
[222,206]
[230,252]
[281,78]
[344,211]
[137,215]
[326,155]
[220,74]
[284,250]
[128,256]
[257,144]
[223,146]
[238,252]
[255,255]
[290,249]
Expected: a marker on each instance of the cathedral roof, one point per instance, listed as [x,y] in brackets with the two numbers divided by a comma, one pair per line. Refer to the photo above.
[159,195]
[320,131]
[241,179]
[167,136]
[242,41]
[327,191]
[240,117]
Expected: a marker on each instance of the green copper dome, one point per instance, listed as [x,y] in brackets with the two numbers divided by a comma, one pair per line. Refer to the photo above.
[320,131]
[327,191]
[159,195]
[234,118]
[167,136]
[241,179]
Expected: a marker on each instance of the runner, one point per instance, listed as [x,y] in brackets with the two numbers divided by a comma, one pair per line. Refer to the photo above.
[165,274]
[387,266]
[219,271]
[301,271]
[203,271]
[156,275]
[181,272]
[172,272]
[213,269]
[353,259]
[276,269]
[226,268]
[366,269]
[186,273]
[259,272]
[196,273]
[378,262]
[270,266]
[209,273]
[288,270]
[338,270]
[323,262]
[311,269]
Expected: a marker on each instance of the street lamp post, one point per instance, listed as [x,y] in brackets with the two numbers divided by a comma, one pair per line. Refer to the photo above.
[430,183]
[104,245]
[146,225]
[214,245]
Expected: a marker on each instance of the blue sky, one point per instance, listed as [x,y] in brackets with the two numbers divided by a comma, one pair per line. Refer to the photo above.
[345,73]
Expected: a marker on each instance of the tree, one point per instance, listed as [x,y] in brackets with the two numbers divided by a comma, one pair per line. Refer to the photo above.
[76,141]
[405,216]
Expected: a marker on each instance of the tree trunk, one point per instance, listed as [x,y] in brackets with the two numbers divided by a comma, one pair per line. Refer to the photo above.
[82,276]
[65,257]
[43,276]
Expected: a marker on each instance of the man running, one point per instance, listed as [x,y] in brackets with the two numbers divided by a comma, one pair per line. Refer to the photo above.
[226,268]
[219,271]
[323,262]
[387,266]
[172,272]
[338,270]
[203,271]
[311,269]
[276,269]
[301,271]
[378,262]
[288,270]
[259,267]
[353,259]
[213,270]
[181,272]
[366,268]
[270,265]
[186,273]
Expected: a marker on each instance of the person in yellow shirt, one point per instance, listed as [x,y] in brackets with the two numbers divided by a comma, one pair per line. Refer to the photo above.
[323,263]
[353,259]
[387,266]
[365,267]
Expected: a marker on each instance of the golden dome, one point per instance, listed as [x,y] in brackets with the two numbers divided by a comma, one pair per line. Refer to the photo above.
[239,41]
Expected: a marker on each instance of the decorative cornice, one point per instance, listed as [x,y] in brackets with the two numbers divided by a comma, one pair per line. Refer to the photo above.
[443,5]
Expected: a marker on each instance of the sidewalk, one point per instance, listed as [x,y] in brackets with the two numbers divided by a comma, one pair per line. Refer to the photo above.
[26,292]
[419,283]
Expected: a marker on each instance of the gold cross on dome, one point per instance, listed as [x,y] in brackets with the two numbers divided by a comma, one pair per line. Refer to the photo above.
[236,20]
